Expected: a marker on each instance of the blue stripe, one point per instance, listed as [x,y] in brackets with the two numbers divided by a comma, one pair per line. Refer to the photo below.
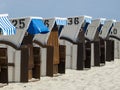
[87,21]
[99,28]
[102,21]
[60,29]
[6,26]
[61,22]
[111,27]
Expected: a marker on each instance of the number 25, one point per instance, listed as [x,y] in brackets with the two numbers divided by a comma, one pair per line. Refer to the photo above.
[19,23]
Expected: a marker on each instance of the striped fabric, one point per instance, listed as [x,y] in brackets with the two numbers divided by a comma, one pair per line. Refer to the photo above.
[61,21]
[6,28]
[88,19]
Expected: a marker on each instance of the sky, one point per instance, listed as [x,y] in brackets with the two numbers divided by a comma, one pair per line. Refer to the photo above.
[61,8]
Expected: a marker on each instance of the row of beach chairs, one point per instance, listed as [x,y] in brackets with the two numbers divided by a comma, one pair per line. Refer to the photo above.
[33,47]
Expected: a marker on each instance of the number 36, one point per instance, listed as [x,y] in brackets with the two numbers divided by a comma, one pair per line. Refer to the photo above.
[73,21]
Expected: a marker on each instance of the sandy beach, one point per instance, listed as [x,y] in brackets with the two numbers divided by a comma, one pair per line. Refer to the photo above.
[97,78]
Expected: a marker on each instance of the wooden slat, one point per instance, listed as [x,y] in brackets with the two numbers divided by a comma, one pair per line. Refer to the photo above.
[88,55]
[112,50]
[55,69]
[109,50]
[53,41]
[96,54]
[11,64]
[102,53]
[62,57]
[24,64]
[3,65]
[56,55]
[3,57]
[80,56]
[30,62]
[50,53]
[4,75]
[36,69]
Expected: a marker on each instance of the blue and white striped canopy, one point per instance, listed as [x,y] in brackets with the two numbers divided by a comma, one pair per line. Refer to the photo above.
[6,28]
[61,21]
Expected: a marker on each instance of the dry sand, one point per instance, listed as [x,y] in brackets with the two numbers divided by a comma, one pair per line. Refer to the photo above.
[97,78]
